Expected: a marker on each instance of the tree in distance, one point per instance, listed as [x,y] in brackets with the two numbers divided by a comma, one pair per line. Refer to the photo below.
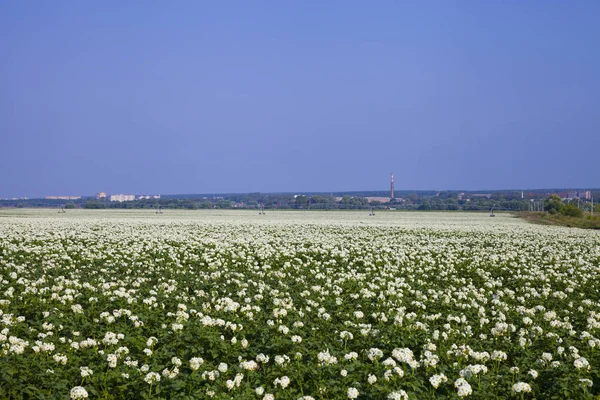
[553,204]
[571,210]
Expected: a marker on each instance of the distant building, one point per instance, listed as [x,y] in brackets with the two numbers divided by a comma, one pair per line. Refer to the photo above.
[62,197]
[571,195]
[122,197]
[100,196]
[585,194]
[145,196]
[379,199]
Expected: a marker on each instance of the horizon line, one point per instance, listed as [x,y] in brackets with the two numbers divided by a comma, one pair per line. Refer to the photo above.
[330,192]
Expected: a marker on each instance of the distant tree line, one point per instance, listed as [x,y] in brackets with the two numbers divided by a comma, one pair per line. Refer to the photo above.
[414,200]
[317,202]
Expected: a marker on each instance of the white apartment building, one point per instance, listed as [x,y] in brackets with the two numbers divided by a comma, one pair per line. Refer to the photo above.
[122,197]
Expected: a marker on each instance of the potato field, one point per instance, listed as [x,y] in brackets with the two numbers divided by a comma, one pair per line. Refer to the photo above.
[296,305]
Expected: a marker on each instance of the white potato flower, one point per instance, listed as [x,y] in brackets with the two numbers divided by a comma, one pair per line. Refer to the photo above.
[79,392]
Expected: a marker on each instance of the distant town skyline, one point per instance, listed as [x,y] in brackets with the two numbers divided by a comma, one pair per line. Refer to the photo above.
[565,192]
[206,97]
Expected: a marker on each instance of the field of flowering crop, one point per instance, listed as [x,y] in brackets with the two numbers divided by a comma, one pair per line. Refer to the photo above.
[296,305]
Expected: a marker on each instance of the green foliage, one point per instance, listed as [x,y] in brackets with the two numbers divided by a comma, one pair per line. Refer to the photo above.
[223,204]
[553,204]
[301,201]
[585,222]
[355,201]
[94,204]
[571,210]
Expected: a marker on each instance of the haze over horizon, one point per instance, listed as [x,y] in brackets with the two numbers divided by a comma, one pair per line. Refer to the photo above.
[199,97]
[334,192]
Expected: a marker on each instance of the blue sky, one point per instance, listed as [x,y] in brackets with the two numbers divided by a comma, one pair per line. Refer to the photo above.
[270,96]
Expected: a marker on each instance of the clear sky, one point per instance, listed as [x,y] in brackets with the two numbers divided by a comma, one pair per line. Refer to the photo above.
[269,96]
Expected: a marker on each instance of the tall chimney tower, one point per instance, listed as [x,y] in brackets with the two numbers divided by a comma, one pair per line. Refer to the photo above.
[392,186]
